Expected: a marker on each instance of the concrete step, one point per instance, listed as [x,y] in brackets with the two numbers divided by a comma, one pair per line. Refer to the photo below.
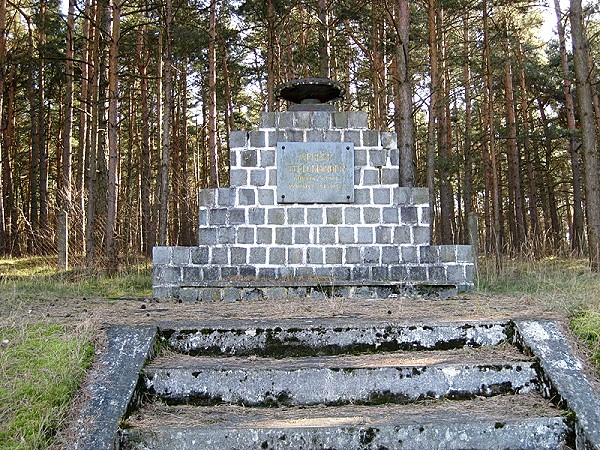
[312,337]
[398,377]
[516,422]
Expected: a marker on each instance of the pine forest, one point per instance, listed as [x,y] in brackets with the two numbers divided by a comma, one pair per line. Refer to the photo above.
[114,113]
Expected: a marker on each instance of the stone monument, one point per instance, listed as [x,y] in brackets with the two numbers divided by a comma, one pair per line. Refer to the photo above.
[313,209]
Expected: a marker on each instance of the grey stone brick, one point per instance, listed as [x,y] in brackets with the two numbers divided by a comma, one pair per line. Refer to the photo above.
[408,215]
[301,235]
[447,253]
[168,275]
[237,216]
[425,215]
[401,196]
[360,157]
[266,120]
[339,119]
[352,255]
[181,255]
[285,120]
[346,235]
[361,273]
[382,196]
[225,197]
[257,255]
[283,235]
[409,254]
[456,273]
[203,216]
[277,255]
[395,157]
[276,216]
[230,294]
[191,274]
[371,139]
[421,235]
[209,294]
[370,177]
[248,158]
[390,215]
[315,136]
[161,255]
[388,140]
[267,273]
[256,216]
[295,256]
[264,235]
[401,235]
[238,177]
[417,273]
[281,135]
[365,235]
[333,255]
[420,196]
[267,158]
[239,255]
[229,272]
[219,255]
[295,216]
[266,197]
[199,255]
[314,255]
[246,197]
[464,253]
[226,235]
[332,136]
[334,215]
[272,137]
[245,235]
[301,119]
[295,135]
[383,235]
[390,176]
[327,235]
[352,136]
[377,157]
[470,273]
[206,197]
[248,272]
[399,273]
[211,273]
[272,177]
[362,196]
[207,236]
[352,215]
[321,119]
[437,274]
[258,177]
[217,216]
[188,294]
[357,172]
[341,273]
[238,139]
[380,273]
[357,119]
[390,255]
[232,158]
[372,255]
[276,293]
[304,272]
[429,254]
[314,216]
[372,215]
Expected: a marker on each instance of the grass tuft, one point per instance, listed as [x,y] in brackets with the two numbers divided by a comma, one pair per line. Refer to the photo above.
[586,326]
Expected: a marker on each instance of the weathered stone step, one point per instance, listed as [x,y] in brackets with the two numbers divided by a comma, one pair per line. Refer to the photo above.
[366,379]
[328,337]
[516,422]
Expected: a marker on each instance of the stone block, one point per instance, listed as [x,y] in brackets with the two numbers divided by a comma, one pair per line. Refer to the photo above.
[333,255]
[264,235]
[206,197]
[314,216]
[209,294]
[301,119]
[304,272]
[181,255]
[207,236]
[332,136]
[409,254]
[203,216]
[382,196]
[383,235]
[361,273]
[365,235]
[272,177]
[456,273]
[327,235]
[283,236]
[371,139]
[360,157]
[424,215]
[248,272]
[191,274]
[409,215]
[429,254]
[377,156]
[437,274]
[417,273]
[295,136]
[352,255]
[266,197]
[370,177]
[266,120]
[301,235]
[295,255]
[211,273]
[267,158]
[362,196]
[256,216]
[233,157]
[339,119]
[372,215]
[341,274]
[245,235]
[352,136]
[390,215]
[167,275]
[447,253]
[390,176]
[399,273]
[199,255]
[470,273]
[166,292]
[388,140]
[315,136]
[230,294]
[352,215]
[372,255]
[246,197]
[238,139]
[380,273]
[277,255]
[321,119]
[237,216]
[272,137]
[258,177]
[390,255]
[252,294]
[421,235]
[248,158]
[257,255]
[267,273]
[219,255]
[464,253]
[276,293]
[188,294]
[401,235]
[161,255]
[346,235]
[275,216]
[226,235]
[229,272]
[239,255]
[395,157]
[420,196]
[238,177]
[314,255]
[334,215]
[401,196]
[284,120]
[357,119]
[225,197]
[217,216]
[295,216]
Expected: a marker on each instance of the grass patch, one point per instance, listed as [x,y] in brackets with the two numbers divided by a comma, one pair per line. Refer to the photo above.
[41,367]
[38,277]
[586,326]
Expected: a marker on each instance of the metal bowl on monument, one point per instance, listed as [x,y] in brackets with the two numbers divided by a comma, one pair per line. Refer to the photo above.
[310,93]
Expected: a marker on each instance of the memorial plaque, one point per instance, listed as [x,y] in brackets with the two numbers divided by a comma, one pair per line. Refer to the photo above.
[315,172]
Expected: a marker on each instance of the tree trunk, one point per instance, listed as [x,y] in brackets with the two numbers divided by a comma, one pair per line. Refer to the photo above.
[468,157]
[4,238]
[324,38]
[270,55]
[588,133]
[212,98]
